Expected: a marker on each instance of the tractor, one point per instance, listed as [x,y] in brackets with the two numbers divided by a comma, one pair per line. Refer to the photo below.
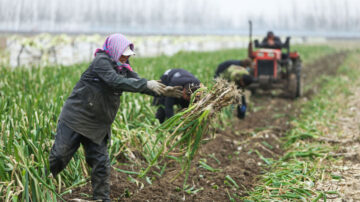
[275,68]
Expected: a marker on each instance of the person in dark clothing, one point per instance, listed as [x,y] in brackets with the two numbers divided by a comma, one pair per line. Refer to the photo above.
[271,41]
[237,71]
[89,111]
[179,78]
[223,66]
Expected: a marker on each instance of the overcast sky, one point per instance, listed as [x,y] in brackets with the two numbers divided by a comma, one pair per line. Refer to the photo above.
[180,16]
[272,7]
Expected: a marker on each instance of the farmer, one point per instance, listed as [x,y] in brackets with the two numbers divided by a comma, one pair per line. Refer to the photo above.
[225,65]
[89,111]
[182,80]
[271,41]
[237,71]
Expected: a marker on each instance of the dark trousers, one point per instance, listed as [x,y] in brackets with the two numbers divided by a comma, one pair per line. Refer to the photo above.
[241,109]
[160,114]
[67,141]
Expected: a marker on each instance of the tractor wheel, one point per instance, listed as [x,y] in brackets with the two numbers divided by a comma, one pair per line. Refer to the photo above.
[298,80]
[298,85]
[253,91]
[292,86]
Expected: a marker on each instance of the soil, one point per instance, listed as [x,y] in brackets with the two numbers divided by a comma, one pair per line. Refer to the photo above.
[240,151]
[346,138]
[348,142]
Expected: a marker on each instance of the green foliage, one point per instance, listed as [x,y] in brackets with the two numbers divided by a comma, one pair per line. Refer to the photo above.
[311,52]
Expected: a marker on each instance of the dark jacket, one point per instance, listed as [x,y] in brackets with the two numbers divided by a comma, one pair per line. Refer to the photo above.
[92,106]
[277,43]
[223,66]
[178,77]
[174,77]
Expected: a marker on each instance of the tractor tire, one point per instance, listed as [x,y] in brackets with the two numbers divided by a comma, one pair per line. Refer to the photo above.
[298,85]
[299,88]
[253,91]
[292,86]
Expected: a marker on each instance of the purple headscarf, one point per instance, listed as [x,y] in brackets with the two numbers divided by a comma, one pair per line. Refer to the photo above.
[115,46]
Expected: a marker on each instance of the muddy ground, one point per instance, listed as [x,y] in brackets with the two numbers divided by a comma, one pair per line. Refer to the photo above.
[236,152]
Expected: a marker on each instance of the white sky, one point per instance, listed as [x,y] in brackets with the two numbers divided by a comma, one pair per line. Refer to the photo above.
[277,10]
[175,14]
[270,7]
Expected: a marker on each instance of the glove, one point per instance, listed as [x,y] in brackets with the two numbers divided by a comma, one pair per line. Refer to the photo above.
[156,86]
[173,91]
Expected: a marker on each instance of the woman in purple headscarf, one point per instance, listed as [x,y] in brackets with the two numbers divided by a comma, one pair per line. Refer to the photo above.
[89,111]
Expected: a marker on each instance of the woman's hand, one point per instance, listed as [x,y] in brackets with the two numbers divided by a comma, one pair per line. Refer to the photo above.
[156,86]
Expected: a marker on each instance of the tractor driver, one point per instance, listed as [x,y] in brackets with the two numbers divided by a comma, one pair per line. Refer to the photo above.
[238,74]
[271,41]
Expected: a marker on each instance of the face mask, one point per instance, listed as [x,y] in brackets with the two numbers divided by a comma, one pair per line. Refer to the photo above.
[119,63]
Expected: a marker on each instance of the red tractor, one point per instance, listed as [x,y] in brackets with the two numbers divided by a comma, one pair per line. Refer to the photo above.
[273,68]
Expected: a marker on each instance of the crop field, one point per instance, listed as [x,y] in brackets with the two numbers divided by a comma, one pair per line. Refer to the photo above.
[283,150]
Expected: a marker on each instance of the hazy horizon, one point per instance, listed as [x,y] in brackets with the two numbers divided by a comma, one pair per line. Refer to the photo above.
[296,17]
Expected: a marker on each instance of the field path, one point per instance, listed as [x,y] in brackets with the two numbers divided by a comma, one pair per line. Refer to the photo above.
[347,140]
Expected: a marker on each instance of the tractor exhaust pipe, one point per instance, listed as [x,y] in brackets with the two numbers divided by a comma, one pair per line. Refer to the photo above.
[250,47]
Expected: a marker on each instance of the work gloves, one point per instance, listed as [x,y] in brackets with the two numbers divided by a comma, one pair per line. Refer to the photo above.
[156,86]
[163,90]
[173,91]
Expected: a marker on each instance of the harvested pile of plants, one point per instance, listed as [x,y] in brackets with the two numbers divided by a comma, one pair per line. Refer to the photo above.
[186,130]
